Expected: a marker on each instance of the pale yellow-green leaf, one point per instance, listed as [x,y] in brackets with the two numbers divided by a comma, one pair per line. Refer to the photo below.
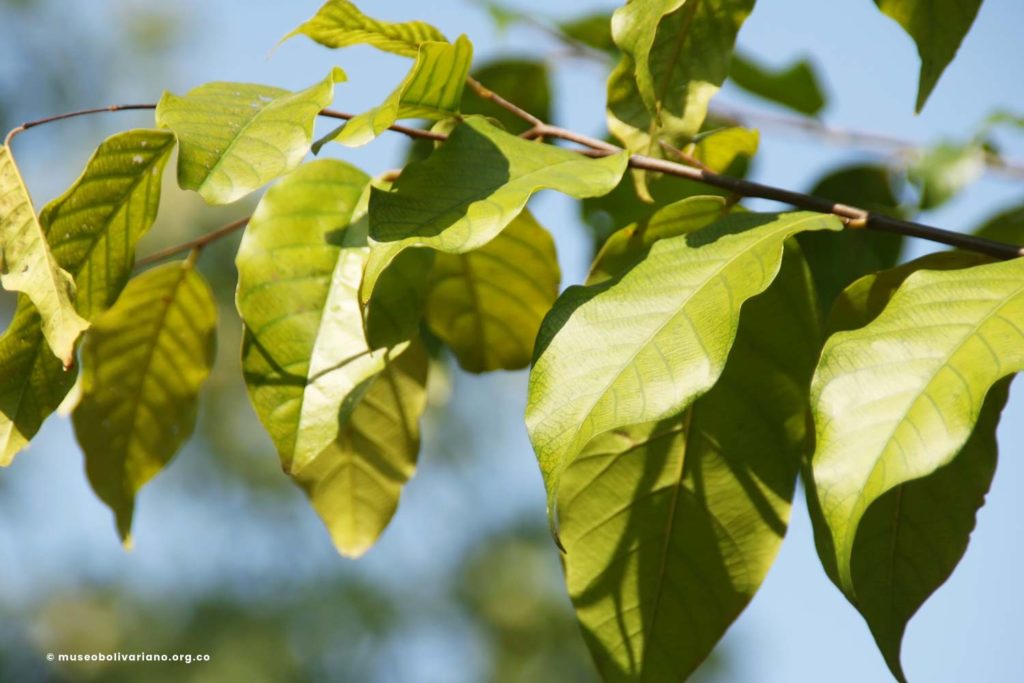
[339,23]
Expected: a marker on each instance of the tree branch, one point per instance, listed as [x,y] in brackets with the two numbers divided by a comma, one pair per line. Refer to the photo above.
[194,245]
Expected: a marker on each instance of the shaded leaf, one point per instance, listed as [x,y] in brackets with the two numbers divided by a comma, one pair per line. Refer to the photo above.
[795,86]
[593,30]
[944,170]
[524,82]
[143,363]
[643,346]
[393,302]
[92,230]
[670,527]
[354,484]
[432,90]
[339,23]
[487,304]
[1006,226]
[28,266]
[937,27]
[236,137]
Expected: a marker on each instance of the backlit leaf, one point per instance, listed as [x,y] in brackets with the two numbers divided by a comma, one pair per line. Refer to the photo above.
[339,23]
[487,304]
[236,137]
[143,363]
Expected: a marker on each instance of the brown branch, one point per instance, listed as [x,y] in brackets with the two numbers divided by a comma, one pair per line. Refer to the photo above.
[195,245]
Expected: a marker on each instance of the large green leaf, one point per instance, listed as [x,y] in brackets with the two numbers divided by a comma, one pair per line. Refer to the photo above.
[897,399]
[487,304]
[236,137]
[795,86]
[339,23]
[143,363]
[676,56]
[28,266]
[354,484]
[304,356]
[92,230]
[431,90]
[643,346]
[912,537]
[670,527]
[466,192]
[938,27]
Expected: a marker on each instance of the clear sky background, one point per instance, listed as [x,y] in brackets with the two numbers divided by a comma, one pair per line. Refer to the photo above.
[480,473]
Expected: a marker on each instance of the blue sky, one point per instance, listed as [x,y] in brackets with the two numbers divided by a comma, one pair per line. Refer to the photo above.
[799,627]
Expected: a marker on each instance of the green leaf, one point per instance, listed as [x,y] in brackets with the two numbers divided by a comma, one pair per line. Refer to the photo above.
[897,399]
[720,149]
[912,537]
[945,170]
[1006,226]
[937,27]
[339,23]
[670,527]
[354,484]
[524,82]
[432,90]
[92,230]
[487,304]
[304,354]
[236,137]
[28,266]
[593,30]
[643,346]
[837,259]
[143,363]
[475,184]
[630,245]
[393,293]
[795,86]
[676,57]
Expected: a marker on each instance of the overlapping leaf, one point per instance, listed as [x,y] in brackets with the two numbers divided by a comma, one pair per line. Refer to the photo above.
[236,137]
[897,399]
[143,363]
[28,266]
[487,304]
[431,90]
[339,23]
[354,484]
[643,346]
[527,83]
[92,230]
[937,27]
[670,527]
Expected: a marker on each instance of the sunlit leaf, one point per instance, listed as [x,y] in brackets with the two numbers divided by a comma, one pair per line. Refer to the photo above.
[720,149]
[643,346]
[354,484]
[143,363]
[92,230]
[236,137]
[670,527]
[487,304]
[795,86]
[28,266]
[431,90]
[938,27]
[339,23]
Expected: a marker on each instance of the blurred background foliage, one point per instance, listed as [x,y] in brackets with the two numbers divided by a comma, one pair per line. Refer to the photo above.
[230,561]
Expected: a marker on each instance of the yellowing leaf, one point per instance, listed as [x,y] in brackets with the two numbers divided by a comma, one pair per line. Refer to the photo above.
[339,23]
[143,363]
[236,137]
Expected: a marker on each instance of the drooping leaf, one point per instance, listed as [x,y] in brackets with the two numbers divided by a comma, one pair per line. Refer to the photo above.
[897,399]
[837,259]
[1005,226]
[487,304]
[467,191]
[92,230]
[795,86]
[28,266]
[937,27]
[143,363]
[432,90]
[339,23]
[944,170]
[643,346]
[670,527]
[912,537]
[236,137]
[354,484]
[304,353]
[676,56]
[628,246]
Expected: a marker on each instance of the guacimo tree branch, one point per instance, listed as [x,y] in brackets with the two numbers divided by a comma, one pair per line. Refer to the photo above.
[852,216]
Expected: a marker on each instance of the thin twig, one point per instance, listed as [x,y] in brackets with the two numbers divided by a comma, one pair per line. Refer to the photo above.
[487,94]
[194,245]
